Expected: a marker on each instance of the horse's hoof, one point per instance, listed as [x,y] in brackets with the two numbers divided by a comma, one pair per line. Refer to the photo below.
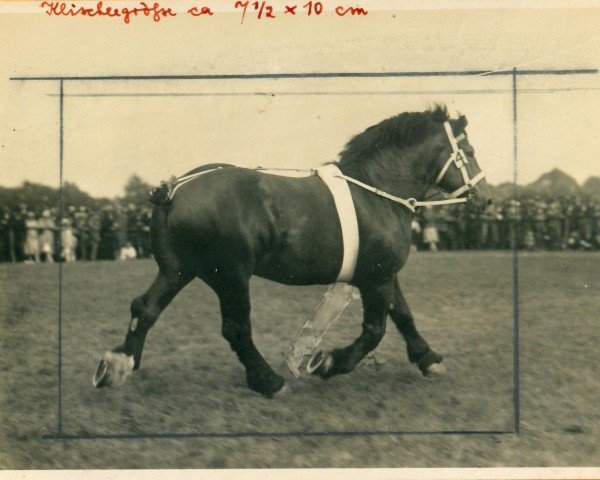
[99,379]
[435,370]
[373,358]
[113,370]
[319,363]
[266,382]
[283,392]
[430,363]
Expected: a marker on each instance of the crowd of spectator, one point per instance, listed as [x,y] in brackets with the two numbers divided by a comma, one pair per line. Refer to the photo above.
[116,231]
[110,232]
[530,224]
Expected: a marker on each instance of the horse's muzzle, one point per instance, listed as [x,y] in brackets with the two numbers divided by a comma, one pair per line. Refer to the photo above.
[477,203]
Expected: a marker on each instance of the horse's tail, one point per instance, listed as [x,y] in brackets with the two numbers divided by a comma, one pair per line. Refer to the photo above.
[161,241]
[162,194]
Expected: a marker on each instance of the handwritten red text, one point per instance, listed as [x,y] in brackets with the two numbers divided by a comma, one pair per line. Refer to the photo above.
[67,9]
[199,11]
[343,11]
[262,9]
[257,10]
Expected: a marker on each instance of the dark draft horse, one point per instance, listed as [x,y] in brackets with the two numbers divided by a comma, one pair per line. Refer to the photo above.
[231,223]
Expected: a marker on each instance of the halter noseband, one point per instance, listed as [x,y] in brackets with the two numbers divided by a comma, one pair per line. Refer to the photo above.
[459,159]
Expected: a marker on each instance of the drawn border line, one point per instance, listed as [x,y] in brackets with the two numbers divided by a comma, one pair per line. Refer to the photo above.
[491,91]
[61,110]
[256,76]
[175,436]
[516,329]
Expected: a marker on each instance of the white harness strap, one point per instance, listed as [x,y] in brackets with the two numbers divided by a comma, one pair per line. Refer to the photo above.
[333,178]
[285,172]
[185,179]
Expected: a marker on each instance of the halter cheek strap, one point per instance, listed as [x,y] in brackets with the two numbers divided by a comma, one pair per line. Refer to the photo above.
[459,159]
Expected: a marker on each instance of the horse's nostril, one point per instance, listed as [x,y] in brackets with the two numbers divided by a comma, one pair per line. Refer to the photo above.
[489,202]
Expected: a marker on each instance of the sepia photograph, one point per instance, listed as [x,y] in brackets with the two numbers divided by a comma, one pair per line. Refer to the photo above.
[242,236]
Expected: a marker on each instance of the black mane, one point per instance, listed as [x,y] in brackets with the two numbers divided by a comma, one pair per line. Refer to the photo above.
[400,131]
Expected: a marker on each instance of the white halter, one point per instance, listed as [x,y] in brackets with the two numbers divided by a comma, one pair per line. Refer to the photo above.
[459,159]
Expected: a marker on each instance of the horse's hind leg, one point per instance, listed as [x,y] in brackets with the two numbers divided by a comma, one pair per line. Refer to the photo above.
[376,301]
[234,297]
[122,360]
[419,351]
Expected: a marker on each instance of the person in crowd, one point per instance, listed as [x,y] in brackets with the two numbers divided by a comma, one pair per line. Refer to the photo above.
[32,239]
[82,232]
[442,226]
[415,235]
[490,231]
[539,224]
[568,210]
[575,242]
[69,212]
[134,228]
[47,228]
[120,227]
[503,242]
[127,252]
[527,224]
[430,232]
[5,240]
[472,228]
[17,232]
[68,241]
[456,227]
[586,222]
[578,217]
[146,243]
[554,225]
[529,241]
[94,225]
[596,215]
[108,238]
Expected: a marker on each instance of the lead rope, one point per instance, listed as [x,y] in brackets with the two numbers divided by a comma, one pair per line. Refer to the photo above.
[410,203]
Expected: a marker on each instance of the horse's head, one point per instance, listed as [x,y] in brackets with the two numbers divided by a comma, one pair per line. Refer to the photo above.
[405,154]
[456,171]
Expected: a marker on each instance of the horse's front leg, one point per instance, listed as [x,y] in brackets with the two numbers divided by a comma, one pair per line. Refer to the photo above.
[419,351]
[376,301]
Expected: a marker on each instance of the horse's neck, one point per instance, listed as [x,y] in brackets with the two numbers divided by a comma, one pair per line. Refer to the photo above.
[392,173]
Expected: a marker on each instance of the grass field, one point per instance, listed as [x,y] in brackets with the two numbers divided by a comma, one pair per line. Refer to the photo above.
[191,383]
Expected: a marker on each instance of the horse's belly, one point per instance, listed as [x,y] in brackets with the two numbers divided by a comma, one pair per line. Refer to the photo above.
[291,270]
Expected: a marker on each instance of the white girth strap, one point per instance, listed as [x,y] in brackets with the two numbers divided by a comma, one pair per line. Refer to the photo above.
[331,175]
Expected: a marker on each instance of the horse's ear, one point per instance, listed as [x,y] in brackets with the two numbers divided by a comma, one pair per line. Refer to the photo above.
[461,124]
